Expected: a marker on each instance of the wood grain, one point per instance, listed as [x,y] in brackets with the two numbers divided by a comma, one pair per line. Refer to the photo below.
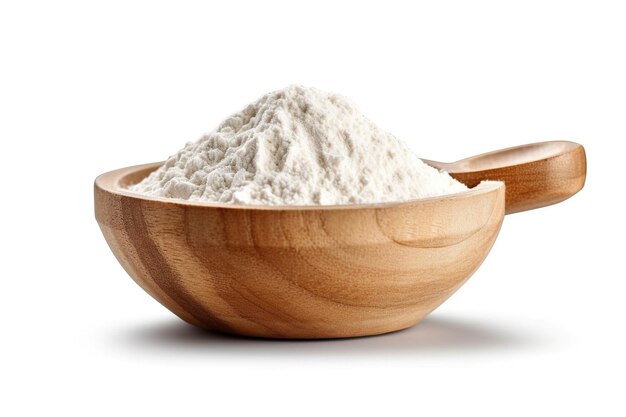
[536,175]
[299,272]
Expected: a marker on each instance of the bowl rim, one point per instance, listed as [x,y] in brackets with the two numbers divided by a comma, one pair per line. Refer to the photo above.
[111,182]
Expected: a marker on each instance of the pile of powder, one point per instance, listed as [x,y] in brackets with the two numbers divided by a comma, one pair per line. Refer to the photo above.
[297,146]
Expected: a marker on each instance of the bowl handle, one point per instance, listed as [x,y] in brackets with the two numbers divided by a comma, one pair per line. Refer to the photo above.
[535,175]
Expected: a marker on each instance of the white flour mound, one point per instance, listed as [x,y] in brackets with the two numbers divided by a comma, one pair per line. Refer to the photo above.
[297,146]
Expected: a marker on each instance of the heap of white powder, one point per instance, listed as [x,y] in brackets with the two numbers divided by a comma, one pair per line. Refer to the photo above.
[297,146]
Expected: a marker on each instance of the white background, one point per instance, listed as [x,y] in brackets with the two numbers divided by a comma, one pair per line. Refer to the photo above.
[89,87]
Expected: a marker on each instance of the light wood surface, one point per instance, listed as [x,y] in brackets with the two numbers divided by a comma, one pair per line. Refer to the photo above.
[536,175]
[323,271]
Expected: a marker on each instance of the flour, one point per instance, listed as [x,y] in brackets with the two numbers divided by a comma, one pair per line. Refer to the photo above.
[297,146]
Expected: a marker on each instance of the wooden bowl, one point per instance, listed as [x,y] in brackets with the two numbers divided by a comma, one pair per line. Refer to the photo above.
[298,272]
[326,271]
